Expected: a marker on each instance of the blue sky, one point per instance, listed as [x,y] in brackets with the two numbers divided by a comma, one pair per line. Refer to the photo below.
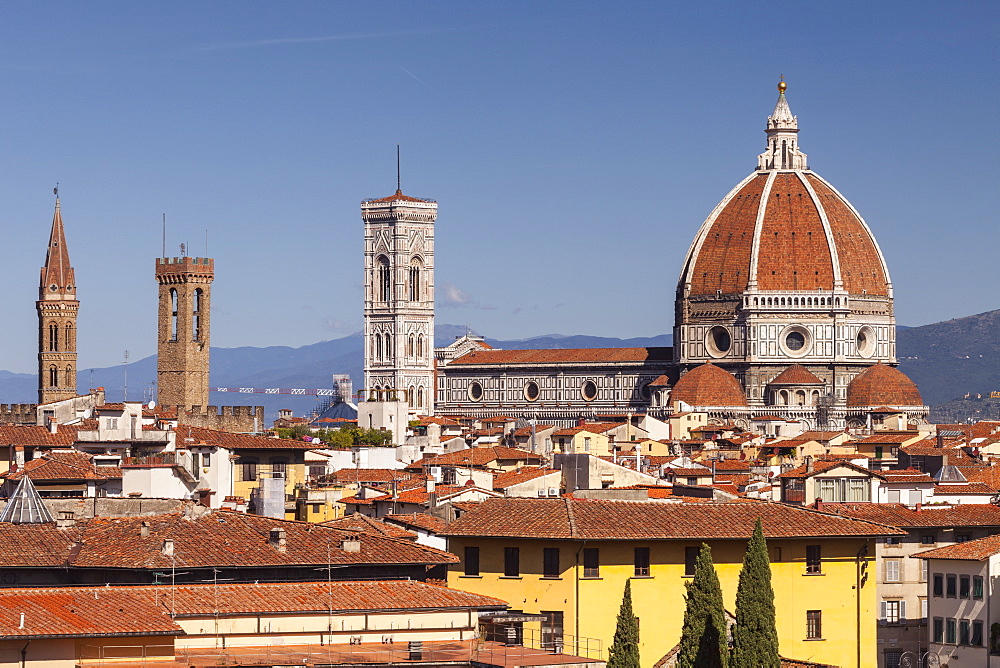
[574,147]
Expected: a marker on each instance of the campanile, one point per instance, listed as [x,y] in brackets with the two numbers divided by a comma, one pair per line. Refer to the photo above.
[183,328]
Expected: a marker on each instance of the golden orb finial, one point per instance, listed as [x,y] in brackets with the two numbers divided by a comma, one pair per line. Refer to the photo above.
[782,85]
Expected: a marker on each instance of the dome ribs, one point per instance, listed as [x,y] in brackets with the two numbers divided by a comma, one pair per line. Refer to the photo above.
[861,266]
[793,254]
[723,261]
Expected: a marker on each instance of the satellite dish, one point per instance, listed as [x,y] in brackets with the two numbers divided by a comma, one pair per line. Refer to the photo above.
[151,405]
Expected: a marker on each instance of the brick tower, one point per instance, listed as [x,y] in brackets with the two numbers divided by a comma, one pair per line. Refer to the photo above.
[399,299]
[183,330]
[57,310]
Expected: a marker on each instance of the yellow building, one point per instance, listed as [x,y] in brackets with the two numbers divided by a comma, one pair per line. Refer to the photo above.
[581,440]
[569,559]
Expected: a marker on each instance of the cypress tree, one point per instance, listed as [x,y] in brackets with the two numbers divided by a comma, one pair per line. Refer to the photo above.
[755,637]
[703,636]
[624,652]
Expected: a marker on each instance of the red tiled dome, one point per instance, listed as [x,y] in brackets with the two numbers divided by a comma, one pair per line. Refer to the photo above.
[796,375]
[806,232]
[708,385]
[882,385]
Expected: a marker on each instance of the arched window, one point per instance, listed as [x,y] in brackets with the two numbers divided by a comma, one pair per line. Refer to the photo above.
[196,315]
[68,342]
[409,346]
[53,376]
[389,353]
[800,398]
[420,346]
[383,280]
[377,353]
[411,396]
[415,270]
[53,337]
[420,397]
[70,378]
[173,314]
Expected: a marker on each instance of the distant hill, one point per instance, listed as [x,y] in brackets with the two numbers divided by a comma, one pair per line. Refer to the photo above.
[945,359]
[949,359]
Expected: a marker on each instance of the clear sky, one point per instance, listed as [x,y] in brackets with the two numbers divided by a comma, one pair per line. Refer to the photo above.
[574,147]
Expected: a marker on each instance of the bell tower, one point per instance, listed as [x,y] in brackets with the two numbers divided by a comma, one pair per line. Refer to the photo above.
[57,308]
[399,299]
[183,330]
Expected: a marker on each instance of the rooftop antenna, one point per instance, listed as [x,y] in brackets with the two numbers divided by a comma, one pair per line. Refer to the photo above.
[164,235]
[125,370]
[398,181]
[55,191]
[183,250]
[206,243]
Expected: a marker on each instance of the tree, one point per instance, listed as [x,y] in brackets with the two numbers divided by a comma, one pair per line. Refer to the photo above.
[703,636]
[755,637]
[624,652]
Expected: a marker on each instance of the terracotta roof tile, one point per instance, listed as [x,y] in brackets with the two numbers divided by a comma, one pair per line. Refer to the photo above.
[82,612]
[971,550]
[524,474]
[582,519]
[708,385]
[422,521]
[823,466]
[21,436]
[796,374]
[881,384]
[564,356]
[359,522]
[898,515]
[64,465]
[483,456]
[398,196]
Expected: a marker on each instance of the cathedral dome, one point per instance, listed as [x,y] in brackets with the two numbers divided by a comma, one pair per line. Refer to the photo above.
[882,385]
[708,385]
[784,228]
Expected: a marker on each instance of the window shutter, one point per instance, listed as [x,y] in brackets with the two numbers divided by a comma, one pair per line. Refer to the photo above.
[882,610]
[902,610]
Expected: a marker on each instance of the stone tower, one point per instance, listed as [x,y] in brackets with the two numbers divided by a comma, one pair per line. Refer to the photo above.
[57,310]
[399,299]
[183,330]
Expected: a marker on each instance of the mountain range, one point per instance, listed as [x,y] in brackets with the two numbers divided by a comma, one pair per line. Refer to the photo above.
[945,359]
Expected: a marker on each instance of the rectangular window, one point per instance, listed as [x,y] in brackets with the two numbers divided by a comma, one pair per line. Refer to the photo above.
[892,570]
[814,559]
[950,589]
[586,444]
[552,630]
[206,459]
[938,634]
[891,614]
[278,465]
[472,561]
[928,539]
[642,561]
[690,557]
[962,537]
[963,632]
[923,610]
[938,583]
[814,624]
[892,540]
[963,587]
[512,562]
[977,587]
[249,471]
[550,562]
[977,634]
[893,659]
[925,566]
[591,562]
[950,632]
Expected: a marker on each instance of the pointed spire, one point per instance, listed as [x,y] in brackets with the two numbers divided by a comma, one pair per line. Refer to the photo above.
[782,140]
[57,272]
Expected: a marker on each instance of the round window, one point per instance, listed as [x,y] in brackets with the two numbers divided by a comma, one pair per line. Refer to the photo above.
[531,391]
[866,341]
[718,341]
[795,341]
[476,391]
[589,391]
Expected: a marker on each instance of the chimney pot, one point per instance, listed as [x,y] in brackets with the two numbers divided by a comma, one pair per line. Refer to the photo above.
[277,539]
[351,543]
[168,547]
[819,503]
[53,426]
[144,529]
[917,507]
[67,518]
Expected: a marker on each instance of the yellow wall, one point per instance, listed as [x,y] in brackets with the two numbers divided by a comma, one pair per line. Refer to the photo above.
[599,444]
[658,600]
[295,471]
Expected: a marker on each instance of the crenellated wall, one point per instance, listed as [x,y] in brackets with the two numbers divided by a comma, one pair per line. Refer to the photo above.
[239,419]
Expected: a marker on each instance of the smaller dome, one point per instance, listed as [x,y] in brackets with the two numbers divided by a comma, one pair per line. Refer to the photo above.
[708,385]
[882,385]
[796,375]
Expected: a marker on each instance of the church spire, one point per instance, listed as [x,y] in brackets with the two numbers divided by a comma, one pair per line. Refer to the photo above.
[57,280]
[782,140]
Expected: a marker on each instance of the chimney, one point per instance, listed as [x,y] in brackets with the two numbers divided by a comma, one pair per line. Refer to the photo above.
[67,518]
[53,426]
[144,530]
[819,503]
[351,543]
[277,539]
[809,464]
[940,439]
[581,421]
[168,547]
[917,507]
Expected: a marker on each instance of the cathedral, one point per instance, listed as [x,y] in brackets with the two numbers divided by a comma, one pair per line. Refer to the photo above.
[783,310]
